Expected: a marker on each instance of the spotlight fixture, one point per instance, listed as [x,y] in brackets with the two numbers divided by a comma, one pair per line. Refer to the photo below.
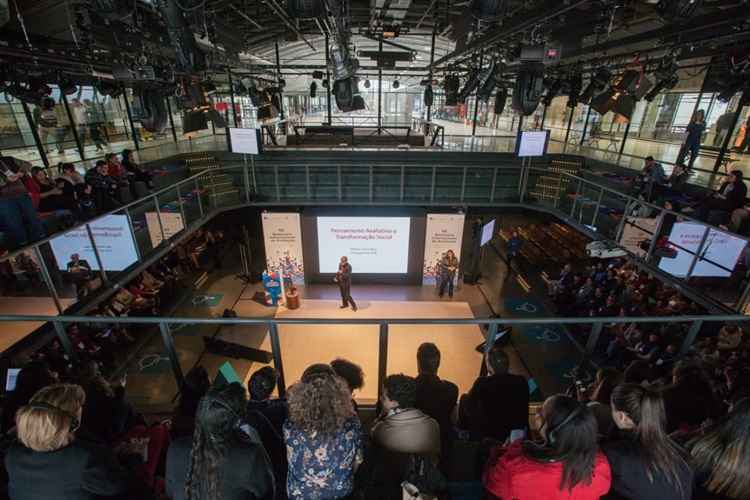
[677,11]
[620,97]
[487,82]
[500,99]
[573,86]
[553,88]
[528,88]
[396,84]
[471,83]
[367,84]
[597,84]
[313,89]
[428,96]
[450,85]
[665,76]
[317,74]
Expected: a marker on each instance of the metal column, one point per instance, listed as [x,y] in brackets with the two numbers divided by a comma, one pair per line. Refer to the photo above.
[278,82]
[328,80]
[166,337]
[432,59]
[728,138]
[98,257]
[695,327]
[586,125]
[476,100]
[382,357]
[567,131]
[73,126]
[273,333]
[380,87]
[544,117]
[62,335]
[171,119]
[624,138]
[231,97]
[35,134]
[136,142]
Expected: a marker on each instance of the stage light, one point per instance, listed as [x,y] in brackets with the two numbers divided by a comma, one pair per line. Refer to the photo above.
[528,87]
[347,95]
[313,89]
[500,99]
[325,84]
[396,84]
[598,83]
[573,89]
[428,96]
[367,84]
[677,11]
[553,88]
[282,83]
[318,75]
[488,82]
[471,83]
[450,85]
[665,76]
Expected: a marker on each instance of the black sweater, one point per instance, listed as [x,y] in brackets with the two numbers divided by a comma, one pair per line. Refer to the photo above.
[80,471]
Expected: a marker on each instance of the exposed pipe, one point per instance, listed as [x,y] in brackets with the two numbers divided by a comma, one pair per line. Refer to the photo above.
[279,12]
[245,17]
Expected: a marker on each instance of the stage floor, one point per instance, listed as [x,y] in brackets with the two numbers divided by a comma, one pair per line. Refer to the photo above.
[303,345]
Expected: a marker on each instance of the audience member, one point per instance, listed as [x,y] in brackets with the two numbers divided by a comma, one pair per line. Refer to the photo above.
[194,387]
[18,217]
[646,463]
[689,384]
[225,458]
[436,397]
[717,208]
[599,395]
[106,414]
[35,375]
[498,403]
[103,187]
[567,464]
[138,173]
[352,375]
[324,438]
[721,456]
[49,461]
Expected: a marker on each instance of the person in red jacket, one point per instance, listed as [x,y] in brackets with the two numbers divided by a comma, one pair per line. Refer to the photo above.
[566,465]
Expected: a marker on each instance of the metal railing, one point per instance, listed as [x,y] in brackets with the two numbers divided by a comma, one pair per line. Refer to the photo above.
[489,328]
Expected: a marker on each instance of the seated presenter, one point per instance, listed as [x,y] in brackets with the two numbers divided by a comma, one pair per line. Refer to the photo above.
[448,267]
[344,279]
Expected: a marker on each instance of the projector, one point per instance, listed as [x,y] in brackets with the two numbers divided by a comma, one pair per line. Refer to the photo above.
[604,250]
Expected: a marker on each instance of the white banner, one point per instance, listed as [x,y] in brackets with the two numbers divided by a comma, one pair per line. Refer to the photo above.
[444,232]
[283,239]
[172,223]
[636,230]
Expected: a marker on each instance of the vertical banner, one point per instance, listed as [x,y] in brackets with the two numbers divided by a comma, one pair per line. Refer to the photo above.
[283,240]
[170,221]
[636,230]
[444,232]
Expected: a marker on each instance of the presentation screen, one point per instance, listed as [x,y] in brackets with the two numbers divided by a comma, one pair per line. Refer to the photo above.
[113,238]
[720,248]
[488,231]
[374,245]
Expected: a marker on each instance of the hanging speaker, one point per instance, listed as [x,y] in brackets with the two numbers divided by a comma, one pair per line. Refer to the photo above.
[155,111]
[500,99]
[428,95]
[528,88]
[313,89]
[318,75]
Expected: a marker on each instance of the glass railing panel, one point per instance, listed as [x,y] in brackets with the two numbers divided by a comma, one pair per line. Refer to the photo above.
[355,183]
[448,182]
[417,183]
[386,183]
[292,182]
[478,184]
[324,183]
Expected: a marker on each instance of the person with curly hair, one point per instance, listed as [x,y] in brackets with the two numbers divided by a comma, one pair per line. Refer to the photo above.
[324,438]
[225,459]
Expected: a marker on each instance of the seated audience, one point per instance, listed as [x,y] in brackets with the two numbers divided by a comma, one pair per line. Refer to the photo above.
[352,375]
[645,462]
[194,387]
[498,403]
[566,464]
[34,376]
[721,456]
[138,173]
[51,195]
[599,395]
[224,458]
[50,461]
[18,217]
[106,414]
[689,384]
[103,187]
[324,438]
[436,397]
[717,208]
[730,338]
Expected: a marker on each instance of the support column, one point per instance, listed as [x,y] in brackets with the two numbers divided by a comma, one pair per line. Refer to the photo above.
[382,356]
[136,142]
[231,97]
[624,138]
[476,100]
[171,119]
[567,131]
[328,79]
[35,134]
[73,126]
[380,87]
[544,117]
[728,138]
[278,82]
[586,125]
[273,333]
[166,337]
[432,59]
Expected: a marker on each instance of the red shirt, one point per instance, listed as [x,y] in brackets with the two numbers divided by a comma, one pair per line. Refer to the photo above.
[513,476]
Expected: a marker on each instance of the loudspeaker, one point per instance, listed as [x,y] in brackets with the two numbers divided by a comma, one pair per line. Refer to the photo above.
[155,109]
[428,97]
[193,121]
[500,99]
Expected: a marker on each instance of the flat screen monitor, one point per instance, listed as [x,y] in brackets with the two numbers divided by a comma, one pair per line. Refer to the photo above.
[11,378]
[717,258]
[488,231]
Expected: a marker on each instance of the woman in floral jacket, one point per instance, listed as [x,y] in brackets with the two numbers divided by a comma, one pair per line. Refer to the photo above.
[324,438]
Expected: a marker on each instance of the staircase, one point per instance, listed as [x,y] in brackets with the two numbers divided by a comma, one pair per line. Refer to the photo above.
[219,186]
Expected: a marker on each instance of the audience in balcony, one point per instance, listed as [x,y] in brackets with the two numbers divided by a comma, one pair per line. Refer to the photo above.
[18,217]
[435,397]
[324,437]
[567,463]
[645,462]
[224,458]
[104,188]
[717,208]
[50,459]
[721,456]
[138,173]
[194,387]
[498,403]
[34,376]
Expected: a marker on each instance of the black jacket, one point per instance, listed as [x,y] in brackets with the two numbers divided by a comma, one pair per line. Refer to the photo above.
[80,471]
[496,405]
[437,398]
[629,478]
[244,474]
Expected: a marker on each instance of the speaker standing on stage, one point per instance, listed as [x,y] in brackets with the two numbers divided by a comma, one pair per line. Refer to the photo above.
[448,267]
[344,279]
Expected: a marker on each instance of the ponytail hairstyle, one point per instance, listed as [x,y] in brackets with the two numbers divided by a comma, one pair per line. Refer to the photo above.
[660,455]
[220,413]
[722,455]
